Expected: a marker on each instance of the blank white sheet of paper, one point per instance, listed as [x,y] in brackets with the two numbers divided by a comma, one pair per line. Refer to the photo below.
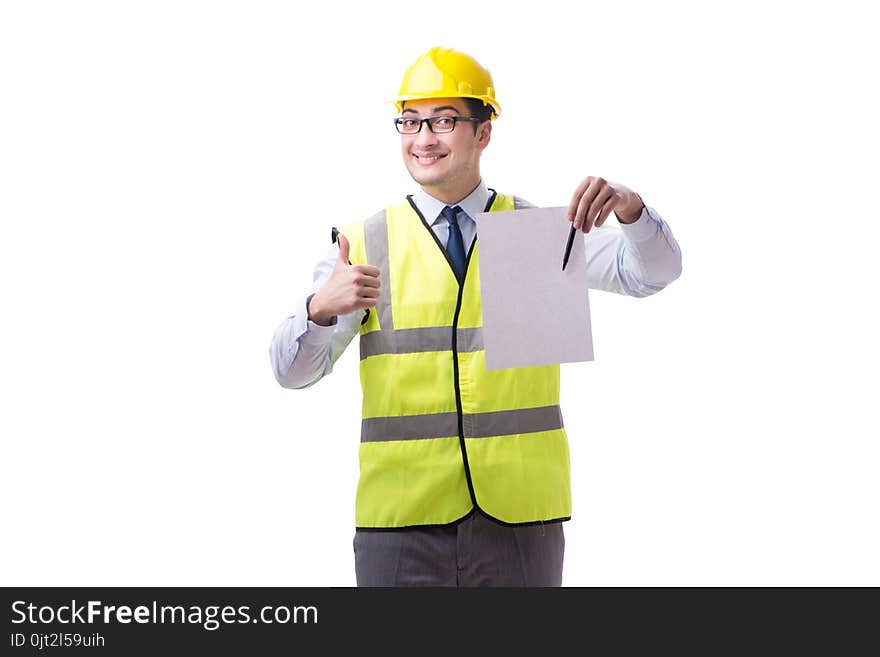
[533,312]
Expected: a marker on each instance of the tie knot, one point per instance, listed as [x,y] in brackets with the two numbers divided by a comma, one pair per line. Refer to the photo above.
[451,214]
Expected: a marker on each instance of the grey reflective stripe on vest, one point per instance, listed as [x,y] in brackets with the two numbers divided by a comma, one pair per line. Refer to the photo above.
[376,247]
[476,425]
[504,423]
[520,204]
[409,427]
[416,340]
[470,339]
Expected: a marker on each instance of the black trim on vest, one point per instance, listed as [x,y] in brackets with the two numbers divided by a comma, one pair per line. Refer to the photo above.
[455,374]
[458,409]
[454,523]
[524,524]
[464,454]
[436,239]
[404,528]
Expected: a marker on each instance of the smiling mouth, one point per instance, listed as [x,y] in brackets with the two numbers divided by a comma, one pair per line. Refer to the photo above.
[428,159]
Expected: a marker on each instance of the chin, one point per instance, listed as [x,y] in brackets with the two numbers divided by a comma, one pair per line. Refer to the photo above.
[425,177]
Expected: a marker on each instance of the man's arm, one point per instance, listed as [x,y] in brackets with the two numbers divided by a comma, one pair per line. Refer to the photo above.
[638,258]
[303,351]
[635,259]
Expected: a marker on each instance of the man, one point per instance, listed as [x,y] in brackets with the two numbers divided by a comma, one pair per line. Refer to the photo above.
[464,472]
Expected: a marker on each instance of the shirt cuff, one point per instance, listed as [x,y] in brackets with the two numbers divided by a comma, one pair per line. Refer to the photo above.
[314,333]
[643,228]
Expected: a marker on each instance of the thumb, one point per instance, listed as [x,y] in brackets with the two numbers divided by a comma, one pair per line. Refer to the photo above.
[343,249]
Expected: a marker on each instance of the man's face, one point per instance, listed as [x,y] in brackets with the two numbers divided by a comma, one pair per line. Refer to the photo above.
[446,161]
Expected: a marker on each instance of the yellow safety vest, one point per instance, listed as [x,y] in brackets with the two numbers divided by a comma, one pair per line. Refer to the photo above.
[440,435]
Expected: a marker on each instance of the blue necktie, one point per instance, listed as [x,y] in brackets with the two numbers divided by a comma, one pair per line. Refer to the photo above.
[455,243]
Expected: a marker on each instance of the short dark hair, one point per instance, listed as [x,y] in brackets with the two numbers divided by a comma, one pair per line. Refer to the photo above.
[478,109]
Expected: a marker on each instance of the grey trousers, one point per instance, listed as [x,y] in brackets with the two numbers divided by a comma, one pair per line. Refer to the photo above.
[474,552]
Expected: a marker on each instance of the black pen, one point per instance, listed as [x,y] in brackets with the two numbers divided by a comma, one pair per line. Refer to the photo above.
[568,245]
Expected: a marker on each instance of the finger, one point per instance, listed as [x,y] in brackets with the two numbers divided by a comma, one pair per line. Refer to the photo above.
[576,197]
[343,248]
[581,218]
[368,281]
[366,270]
[368,293]
[610,204]
[606,193]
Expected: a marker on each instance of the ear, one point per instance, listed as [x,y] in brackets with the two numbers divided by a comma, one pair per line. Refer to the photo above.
[484,134]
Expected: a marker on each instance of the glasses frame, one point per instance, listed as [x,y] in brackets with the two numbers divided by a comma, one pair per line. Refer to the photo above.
[428,119]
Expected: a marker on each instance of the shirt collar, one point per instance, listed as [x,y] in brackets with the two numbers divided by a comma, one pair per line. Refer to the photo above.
[472,204]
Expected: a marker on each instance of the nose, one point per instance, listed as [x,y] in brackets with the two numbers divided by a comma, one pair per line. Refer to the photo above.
[425,137]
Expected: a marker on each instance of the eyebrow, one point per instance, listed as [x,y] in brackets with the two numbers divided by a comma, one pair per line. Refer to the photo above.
[436,109]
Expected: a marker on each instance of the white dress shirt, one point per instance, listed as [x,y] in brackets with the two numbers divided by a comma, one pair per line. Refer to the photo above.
[635,259]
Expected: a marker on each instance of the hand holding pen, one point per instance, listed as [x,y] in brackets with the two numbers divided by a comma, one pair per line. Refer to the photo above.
[593,200]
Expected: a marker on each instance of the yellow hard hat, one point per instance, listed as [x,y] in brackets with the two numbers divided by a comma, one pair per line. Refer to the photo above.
[447,73]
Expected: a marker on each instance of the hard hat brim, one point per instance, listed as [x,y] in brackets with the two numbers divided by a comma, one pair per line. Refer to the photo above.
[399,100]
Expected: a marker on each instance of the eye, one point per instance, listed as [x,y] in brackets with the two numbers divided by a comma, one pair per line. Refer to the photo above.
[408,123]
[444,121]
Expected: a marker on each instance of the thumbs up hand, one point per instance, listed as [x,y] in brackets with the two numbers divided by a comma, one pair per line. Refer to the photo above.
[349,288]
[344,247]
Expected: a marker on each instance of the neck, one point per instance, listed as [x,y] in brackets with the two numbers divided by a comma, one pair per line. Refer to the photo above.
[452,194]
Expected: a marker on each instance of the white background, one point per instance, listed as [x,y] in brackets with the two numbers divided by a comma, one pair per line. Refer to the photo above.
[169,172]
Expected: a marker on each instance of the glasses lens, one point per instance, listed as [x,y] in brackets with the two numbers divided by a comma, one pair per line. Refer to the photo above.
[407,126]
[442,124]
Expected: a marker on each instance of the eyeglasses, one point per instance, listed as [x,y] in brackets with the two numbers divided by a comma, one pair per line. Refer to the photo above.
[436,124]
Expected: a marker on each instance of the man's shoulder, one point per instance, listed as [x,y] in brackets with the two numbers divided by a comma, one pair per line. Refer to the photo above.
[371,219]
[405,202]
[503,201]
[379,217]
[520,203]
